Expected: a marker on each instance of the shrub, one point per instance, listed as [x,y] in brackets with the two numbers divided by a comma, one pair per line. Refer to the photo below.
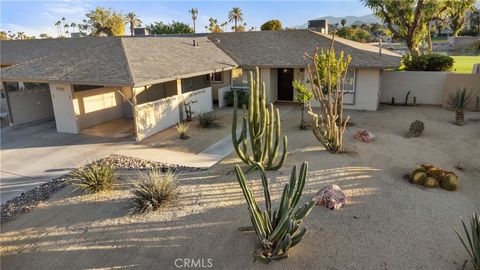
[153,190]
[471,243]
[207,119]
[428,62]
[182,129]
[241,95]
[95,177]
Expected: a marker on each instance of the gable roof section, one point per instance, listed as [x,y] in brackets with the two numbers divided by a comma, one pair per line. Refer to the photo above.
[133,61]
[156,59]
[286,49]
[100,61]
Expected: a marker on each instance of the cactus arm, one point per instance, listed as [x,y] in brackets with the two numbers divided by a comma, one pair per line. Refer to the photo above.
[284,155]
[298,237]
[266,192]
[293,180]
[302,212]
[302,178]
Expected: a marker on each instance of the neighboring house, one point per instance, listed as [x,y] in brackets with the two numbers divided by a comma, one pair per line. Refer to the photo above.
[88,81]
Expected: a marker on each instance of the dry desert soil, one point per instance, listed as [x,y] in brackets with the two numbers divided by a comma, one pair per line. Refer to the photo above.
[387,222]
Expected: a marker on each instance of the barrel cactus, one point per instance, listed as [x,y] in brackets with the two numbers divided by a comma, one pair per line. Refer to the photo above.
[280,229]
[431,176]
[430,182]
[449,182]
[416,128]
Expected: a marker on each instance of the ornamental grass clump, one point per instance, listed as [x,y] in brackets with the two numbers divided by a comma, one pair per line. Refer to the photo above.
[207,119]
[153,190]
[95,177]
[182,129]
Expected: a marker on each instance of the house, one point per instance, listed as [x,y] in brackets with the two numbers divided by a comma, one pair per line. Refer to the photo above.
[88,81]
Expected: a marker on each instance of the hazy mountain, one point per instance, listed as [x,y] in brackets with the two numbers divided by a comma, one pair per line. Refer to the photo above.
[358,20]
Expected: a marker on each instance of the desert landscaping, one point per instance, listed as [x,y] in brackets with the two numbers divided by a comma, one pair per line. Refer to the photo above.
[386,222]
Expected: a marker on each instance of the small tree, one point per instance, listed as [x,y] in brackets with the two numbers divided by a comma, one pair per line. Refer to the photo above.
[271,25]
[328,125]
[304,95]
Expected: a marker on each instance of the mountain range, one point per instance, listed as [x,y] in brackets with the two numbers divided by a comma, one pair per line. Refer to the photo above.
[358,20]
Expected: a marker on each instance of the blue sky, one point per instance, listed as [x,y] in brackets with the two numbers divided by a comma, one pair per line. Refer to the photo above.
[35,17]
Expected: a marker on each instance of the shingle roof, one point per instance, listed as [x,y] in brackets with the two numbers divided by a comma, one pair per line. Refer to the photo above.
[172,57]
[112,60]
[139,61]
[287,48]
[99,61]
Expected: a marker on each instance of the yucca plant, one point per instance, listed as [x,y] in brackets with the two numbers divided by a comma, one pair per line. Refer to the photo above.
[154,189]
[471,243]
[459,101]
[182,129]
[277,230]
[95,177]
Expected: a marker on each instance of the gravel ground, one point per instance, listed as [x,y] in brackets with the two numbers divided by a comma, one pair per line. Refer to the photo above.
[27,201]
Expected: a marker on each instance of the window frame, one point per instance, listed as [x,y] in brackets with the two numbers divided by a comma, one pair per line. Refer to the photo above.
[354,82]
[214,75]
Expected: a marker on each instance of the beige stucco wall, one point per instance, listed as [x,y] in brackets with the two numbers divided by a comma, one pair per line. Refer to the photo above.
[426,86]
[367,86]
[455,82]
[203,100]
[30,105]
[96,106]
[155,116]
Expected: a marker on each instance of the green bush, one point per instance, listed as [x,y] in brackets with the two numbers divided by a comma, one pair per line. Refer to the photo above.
[242,98]
[154,190]
[95,177]
[428,62]
[207,119]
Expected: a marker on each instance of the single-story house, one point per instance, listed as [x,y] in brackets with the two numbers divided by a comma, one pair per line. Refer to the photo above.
[83,82]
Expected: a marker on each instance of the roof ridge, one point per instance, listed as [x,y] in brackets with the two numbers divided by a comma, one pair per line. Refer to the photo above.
[127,60]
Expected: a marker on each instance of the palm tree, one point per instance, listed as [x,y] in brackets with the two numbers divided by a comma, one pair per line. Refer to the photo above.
[20,35]
[66,27]
[133,20]
[343,22]
[235,15]
[73,25]
[194,13]
[57,24]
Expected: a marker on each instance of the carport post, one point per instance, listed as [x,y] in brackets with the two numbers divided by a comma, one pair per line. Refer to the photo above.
[180,99]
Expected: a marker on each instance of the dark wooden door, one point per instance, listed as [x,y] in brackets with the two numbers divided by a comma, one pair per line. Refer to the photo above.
[285,88]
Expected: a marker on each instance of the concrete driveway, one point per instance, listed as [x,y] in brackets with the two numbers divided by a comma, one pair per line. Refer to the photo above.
[35,154]
[32,155]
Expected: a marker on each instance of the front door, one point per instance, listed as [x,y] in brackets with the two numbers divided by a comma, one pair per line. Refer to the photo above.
[285,88]
[63,108]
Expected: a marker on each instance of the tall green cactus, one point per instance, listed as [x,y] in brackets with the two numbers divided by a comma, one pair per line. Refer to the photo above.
[260,125]
[279,230]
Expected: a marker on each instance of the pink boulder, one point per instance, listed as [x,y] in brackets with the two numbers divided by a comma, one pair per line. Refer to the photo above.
[330,196]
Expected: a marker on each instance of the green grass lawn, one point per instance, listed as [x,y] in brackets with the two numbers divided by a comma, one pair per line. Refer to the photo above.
[464,64]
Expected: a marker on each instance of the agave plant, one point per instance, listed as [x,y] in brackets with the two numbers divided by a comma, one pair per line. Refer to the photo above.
[277,230]
[459,101]
[472,241]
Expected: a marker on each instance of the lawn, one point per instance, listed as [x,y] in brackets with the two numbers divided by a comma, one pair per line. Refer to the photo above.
[464,64]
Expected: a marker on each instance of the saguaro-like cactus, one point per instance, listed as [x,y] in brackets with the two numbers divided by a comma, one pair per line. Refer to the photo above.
[260,126]
[277,230]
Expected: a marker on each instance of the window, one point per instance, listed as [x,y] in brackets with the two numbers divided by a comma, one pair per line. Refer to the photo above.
[217,77]
[11,86]
[350,81]
[29,85]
